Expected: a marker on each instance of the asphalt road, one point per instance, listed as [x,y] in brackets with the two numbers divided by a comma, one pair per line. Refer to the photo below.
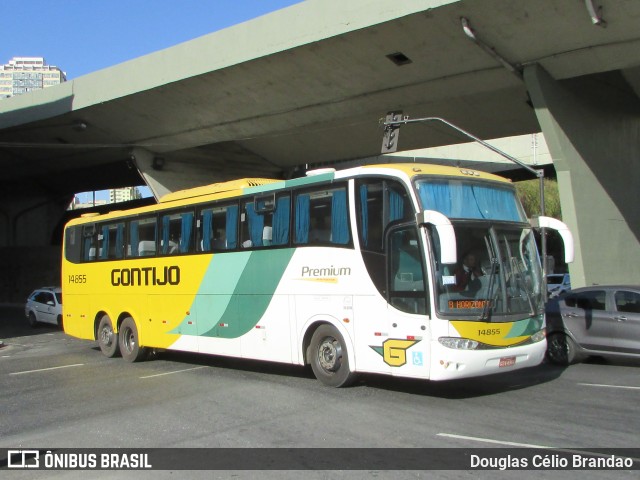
[57,392]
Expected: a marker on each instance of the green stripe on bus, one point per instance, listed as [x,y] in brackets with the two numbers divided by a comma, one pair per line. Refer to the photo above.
[237,290]
[525,327]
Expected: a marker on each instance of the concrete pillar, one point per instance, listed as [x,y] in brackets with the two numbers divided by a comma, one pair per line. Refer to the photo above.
[592,127]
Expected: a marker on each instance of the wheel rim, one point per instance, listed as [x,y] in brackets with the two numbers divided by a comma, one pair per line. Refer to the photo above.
[330,354]
[558,349]
[129,340]
[106,336]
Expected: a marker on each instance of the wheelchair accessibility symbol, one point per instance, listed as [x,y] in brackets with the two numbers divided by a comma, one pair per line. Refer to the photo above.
[417,358]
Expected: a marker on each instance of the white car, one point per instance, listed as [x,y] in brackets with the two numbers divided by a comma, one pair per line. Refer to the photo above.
[44,305]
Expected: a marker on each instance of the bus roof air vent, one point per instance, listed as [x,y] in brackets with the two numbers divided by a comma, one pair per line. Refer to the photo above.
[320,171]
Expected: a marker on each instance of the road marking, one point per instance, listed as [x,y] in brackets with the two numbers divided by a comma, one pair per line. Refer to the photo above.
[499,442]
[47,369]
[171,373]
[608,386]
[528,445]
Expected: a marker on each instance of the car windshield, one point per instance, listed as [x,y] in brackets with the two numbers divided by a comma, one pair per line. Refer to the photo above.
[59,297]
[498,273]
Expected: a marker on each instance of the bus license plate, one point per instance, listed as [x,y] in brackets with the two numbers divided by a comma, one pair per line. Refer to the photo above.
[507,362]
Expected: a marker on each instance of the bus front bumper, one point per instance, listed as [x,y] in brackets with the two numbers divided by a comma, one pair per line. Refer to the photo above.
[450,364]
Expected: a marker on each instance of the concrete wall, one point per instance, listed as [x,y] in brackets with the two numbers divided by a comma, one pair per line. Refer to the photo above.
[26,268]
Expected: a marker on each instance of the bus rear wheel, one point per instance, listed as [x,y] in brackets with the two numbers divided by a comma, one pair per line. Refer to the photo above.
[329,358]
[128,340]
[107,338]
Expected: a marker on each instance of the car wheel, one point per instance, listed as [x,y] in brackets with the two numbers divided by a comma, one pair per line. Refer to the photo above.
[561,349]
[60,322]
[329,358]
[107,338]
[32,320]
[129,343]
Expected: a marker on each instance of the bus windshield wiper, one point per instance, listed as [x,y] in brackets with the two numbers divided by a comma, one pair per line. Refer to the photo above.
[521,284]
[486,307]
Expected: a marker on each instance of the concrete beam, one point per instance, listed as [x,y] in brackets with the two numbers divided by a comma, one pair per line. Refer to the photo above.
[592,127]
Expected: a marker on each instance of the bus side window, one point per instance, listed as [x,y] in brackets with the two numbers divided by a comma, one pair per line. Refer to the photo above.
[176,233]
[89,243]
[266,225]
[217,228]
[111,241]
[73,244]
[380,202]
[321,218]
[142,237]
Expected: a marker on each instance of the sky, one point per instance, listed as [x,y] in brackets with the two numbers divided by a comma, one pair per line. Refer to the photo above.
[84,36]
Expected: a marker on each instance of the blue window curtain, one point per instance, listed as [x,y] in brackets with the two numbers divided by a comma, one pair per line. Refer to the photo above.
[339,223]
[256,225]
[134,238]
[396,206]
[165,234]
[232,226]
[120,241]
[435,196]
[302,218]
[207,228]
[87,248]
[185,232]
[104,246]
[364,215]
[458,200]
[281,221]
[497,203]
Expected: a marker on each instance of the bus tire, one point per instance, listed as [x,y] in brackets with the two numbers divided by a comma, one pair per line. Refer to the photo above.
[561,349]
[329,358]
[107,338]
[130,348]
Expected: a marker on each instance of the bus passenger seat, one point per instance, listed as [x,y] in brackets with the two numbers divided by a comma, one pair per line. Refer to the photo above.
[267,236]
[147,247]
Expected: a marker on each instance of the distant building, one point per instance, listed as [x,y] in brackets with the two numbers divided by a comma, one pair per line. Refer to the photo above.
[23,74]
[78,204]
[126,194]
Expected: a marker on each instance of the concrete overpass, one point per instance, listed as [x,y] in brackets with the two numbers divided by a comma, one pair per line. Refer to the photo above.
[308,84]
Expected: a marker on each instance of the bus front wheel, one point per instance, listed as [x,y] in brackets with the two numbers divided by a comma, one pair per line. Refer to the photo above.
[128,340]
[329,358]
[107,338]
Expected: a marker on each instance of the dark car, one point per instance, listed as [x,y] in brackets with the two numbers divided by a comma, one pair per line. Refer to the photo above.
[602,320]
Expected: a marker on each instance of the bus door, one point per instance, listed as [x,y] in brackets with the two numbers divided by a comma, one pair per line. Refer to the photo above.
[406,348]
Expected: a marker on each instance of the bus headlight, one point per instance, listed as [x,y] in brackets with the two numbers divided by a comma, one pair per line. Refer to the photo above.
[458,343]
[539,336]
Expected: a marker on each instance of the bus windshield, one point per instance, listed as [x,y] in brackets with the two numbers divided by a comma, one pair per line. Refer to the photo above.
[498,274]
[462,198]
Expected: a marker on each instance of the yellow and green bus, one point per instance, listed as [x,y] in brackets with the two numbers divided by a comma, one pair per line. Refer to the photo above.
[349,271]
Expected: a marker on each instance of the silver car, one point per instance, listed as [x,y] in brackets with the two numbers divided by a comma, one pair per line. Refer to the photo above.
[44,305]
[599,320]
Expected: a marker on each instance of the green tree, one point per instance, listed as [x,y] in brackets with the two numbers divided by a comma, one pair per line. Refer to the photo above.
[529,194]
